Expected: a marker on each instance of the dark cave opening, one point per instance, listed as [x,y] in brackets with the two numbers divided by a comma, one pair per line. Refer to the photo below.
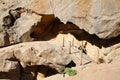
[46,30]
[71,64]
[50,26]
[47,71]
[32,72]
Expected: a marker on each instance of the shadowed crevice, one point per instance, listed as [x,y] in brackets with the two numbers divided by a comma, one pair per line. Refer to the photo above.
[54,26]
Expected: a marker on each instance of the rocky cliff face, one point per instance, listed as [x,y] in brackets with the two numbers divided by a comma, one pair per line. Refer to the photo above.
[94,16]
[93,26]
[100,17]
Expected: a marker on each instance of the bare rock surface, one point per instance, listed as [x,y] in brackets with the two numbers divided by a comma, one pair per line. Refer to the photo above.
[91,72]
[22,56]
[34,53]
[23,24]
[31,58]
[94,16]
[94,27]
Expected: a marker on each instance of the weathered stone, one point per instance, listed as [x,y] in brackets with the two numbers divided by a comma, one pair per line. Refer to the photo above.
[27,57]
[93,21]
[31,54]
[19,32]
[94,16]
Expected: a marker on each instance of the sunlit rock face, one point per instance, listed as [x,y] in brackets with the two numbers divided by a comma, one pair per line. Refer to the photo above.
[92,24]
[100,17]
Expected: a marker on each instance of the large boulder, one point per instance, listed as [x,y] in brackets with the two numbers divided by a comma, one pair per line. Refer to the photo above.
[100,17]
[20,30]
[23,57]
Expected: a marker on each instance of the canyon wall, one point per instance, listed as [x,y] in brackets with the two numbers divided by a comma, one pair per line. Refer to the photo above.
[93,25]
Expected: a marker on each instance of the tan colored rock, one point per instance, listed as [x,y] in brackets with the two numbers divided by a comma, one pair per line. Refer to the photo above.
[92,72]
[20,32]
[2,41]
[46,53]
[99,17]
[23,24]
[107,54]
[94,16]
[32,54]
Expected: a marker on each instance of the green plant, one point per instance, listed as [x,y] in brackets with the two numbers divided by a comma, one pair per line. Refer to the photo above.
[70,71]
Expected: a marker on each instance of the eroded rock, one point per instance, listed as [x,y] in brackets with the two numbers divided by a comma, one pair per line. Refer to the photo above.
[33,54]
[94,16]
[93,21]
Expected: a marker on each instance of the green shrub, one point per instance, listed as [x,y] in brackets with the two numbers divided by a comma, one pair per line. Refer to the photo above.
[70,71]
